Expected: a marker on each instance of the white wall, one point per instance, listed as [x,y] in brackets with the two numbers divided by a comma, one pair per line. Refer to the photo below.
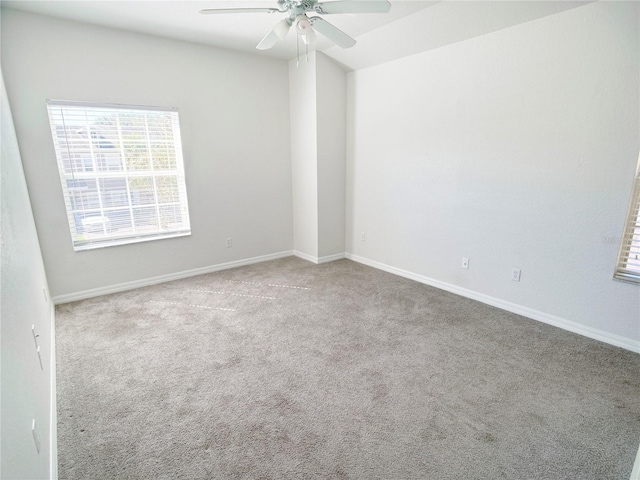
[234,114]
[318,138]
[26,386]
[331,101]
[302,85]
[515,149]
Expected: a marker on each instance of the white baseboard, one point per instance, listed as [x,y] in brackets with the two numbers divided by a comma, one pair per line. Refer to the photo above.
[145,282]
[319,260]
[332,258]
[559,322]
[305,256]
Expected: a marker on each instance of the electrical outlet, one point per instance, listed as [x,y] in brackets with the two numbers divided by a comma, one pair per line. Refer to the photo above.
[515,274]
[229,242]
[363,237]
[34,432]
[465,262]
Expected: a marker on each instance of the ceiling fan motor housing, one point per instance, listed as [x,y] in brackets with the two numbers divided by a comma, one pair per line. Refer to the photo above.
[298,7]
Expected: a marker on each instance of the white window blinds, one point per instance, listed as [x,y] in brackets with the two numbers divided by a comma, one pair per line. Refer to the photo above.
[122,172]
[628,267]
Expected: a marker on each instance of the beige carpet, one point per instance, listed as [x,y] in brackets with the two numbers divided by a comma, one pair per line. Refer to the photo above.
[287,369]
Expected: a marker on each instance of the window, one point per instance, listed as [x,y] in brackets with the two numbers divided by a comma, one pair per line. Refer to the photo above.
[122,172]
[628,267]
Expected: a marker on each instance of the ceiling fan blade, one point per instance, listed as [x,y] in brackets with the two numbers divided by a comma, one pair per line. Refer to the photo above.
[334,34]
[209,11]
[269,40]
[354,6]
[277,33]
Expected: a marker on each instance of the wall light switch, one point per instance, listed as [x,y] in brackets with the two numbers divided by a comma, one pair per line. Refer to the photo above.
[35,336]
[40,358]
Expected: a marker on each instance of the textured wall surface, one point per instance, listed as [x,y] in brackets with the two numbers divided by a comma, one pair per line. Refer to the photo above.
[331,99]
[25,301]
[514,149]
[304,155]
[234,117]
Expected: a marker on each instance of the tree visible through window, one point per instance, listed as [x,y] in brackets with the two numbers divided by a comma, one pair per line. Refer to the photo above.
[122,172]
[628,267]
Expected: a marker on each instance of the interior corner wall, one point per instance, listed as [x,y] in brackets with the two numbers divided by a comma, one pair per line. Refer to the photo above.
[318,156]
[515,149]
[26,393]
[331,101]
[234,120]
[304,159]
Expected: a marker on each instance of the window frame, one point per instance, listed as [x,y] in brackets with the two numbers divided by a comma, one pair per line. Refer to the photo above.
[630,240]
[82,166]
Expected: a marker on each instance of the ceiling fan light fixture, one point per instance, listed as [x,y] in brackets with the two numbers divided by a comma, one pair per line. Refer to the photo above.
[282,28]
[302,25]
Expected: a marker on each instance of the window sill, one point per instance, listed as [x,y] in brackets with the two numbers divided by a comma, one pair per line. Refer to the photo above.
[126,241]
[627,278]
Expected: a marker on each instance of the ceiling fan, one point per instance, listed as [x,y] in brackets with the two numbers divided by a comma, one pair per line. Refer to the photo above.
[305,26]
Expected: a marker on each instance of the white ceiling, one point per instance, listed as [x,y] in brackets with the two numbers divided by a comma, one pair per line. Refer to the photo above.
[410,27]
